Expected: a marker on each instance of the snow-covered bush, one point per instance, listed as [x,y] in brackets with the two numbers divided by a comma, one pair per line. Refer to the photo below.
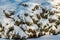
[30,21]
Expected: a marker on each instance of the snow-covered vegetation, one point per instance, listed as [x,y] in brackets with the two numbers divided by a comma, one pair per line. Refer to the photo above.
[29,18]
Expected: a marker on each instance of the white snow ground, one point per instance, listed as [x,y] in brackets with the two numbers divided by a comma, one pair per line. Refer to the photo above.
[47,37]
